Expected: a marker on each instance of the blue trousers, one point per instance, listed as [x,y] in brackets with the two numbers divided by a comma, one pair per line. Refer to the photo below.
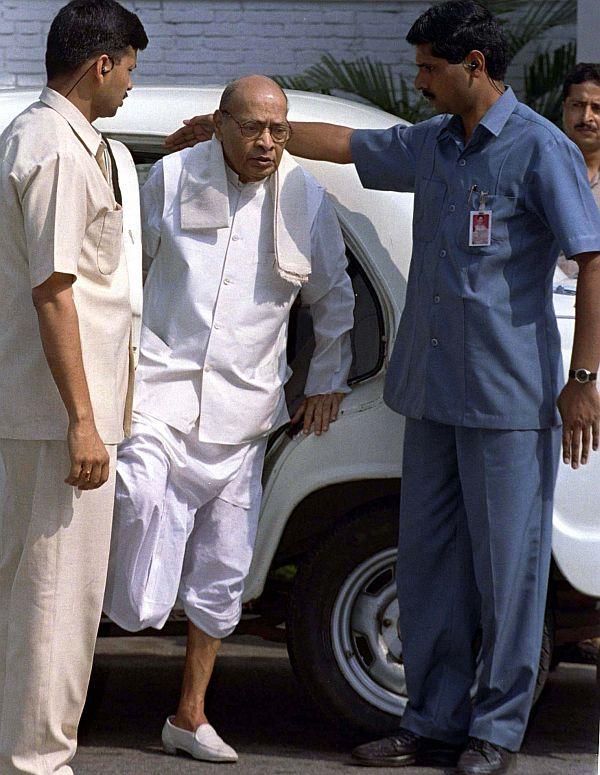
[474,555]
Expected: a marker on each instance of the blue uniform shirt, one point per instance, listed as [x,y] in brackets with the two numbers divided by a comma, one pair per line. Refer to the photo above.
[478,343]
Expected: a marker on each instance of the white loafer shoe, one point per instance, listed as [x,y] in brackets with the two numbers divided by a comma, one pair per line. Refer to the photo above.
[204,744]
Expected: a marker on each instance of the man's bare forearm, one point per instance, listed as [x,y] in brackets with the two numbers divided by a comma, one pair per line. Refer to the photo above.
[310,140]
[59,332]
[322,142]
[586,343]
[579,404]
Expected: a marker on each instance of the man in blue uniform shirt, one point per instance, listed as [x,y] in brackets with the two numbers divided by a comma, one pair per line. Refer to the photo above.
[476,369]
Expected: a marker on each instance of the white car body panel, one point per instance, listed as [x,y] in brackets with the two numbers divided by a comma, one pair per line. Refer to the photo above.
[367,430]
[377,227]
[576,522]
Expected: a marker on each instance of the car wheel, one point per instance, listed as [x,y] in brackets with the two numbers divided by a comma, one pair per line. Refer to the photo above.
[342,631]
[546,655]
[598,684]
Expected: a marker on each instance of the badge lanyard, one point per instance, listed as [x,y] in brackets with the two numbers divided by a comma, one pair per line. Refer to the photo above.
[480,220]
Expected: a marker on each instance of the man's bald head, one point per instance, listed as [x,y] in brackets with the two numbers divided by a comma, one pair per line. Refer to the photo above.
[248,86]
[252,126]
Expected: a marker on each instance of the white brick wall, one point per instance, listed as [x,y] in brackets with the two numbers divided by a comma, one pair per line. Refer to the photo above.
[210,41]
[588,30]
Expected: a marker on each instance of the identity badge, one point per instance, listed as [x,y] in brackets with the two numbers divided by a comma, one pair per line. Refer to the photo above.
[480,228]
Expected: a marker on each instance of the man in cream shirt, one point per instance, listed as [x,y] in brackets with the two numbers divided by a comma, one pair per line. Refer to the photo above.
[236,229]
[65,323]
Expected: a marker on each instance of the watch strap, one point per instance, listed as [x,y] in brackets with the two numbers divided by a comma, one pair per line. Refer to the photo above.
[582,375]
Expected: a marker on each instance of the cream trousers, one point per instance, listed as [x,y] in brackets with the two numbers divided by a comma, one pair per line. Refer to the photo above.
[54,546]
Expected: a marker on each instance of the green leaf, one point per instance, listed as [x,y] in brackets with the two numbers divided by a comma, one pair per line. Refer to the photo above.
[532,20]
[373,82]
[544,78]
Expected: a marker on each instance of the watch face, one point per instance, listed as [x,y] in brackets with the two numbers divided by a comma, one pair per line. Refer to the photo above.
[582,375]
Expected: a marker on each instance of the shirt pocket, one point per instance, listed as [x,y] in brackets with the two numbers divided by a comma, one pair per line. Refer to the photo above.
[429,202]
[110,240]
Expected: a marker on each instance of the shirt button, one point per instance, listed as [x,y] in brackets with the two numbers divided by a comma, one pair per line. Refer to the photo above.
[443,253]
[216,326]
[452,208]
[436,299]
[462,163]
[206,367]
[226,281]
[434,342]
[235,237]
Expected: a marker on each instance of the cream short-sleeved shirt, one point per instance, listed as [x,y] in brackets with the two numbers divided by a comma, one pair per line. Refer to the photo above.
[59,214]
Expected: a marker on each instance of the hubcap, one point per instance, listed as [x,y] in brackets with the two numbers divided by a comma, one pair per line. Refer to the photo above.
[365,637]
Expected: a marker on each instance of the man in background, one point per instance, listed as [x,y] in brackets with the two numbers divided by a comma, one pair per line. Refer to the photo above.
[65,325]
[581,123]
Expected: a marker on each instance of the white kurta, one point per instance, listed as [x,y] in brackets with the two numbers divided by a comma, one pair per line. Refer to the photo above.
[213,347]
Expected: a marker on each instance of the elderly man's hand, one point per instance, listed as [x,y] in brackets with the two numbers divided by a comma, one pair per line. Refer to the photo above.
[194,130]
[579,406]
[318,411]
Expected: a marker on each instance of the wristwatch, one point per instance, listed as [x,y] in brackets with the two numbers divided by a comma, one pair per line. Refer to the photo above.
[582,375]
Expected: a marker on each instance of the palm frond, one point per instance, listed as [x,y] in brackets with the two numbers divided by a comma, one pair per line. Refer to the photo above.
[537,20]
[544,78]
[373,82]
[533,19]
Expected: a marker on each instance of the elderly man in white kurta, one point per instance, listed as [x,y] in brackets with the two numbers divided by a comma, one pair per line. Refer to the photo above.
[235,230]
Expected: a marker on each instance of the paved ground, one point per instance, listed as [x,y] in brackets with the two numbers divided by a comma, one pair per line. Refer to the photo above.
[258,707]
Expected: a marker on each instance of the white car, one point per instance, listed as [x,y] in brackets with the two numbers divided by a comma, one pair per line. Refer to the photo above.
[324,564]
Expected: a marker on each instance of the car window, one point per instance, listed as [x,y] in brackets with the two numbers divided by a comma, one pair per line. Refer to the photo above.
[367,336]
[143,170]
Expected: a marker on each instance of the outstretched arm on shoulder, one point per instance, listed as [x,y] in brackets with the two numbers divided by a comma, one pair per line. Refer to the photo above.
[323,142]
[310,140]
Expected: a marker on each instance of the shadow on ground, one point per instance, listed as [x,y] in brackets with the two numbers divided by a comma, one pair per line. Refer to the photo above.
[254,701]
[258,706]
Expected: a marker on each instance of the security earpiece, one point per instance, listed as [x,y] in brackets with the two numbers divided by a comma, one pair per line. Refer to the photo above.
[105,70]
[473,65]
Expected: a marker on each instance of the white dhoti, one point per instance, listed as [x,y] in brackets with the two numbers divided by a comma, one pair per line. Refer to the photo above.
[185,520]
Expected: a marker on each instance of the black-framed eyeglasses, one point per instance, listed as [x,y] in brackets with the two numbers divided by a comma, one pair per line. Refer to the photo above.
[252,130]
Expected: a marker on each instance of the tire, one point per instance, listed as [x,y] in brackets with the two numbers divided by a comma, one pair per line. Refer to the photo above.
[329,657]
[598,685]
[546,655]
[342,628]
